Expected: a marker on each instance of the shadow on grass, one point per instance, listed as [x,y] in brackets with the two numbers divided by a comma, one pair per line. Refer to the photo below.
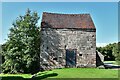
[44,76]
[12,78]
[39,77]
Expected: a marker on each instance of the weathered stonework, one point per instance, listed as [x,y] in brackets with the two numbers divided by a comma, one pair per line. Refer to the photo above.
[55,42]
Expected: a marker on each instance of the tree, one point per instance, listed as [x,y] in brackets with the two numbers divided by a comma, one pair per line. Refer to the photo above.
[23,45]
[107,52]
[2,51]
[116,52]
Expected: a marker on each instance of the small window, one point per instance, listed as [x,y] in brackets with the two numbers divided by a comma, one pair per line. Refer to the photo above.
[91,46]
[54,58]
[92,35]
[80,54]
[65,46]
[47,48]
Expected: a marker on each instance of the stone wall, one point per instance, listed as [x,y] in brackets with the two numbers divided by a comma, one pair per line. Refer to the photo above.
[54,43]
[99,59]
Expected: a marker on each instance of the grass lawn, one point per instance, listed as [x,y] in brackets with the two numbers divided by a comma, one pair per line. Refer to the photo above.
[15,76]
[85,73]
[66,73]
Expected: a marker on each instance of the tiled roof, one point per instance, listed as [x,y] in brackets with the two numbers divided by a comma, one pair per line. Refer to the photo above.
[54,20]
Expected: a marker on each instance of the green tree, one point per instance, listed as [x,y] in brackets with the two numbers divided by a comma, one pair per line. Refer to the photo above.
[2,52]
[23,45]
[116,52]
[107,52]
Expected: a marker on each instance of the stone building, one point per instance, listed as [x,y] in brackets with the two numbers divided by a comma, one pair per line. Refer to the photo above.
[67,40]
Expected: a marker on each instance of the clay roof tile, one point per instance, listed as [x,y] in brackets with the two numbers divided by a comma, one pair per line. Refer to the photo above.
[55,20]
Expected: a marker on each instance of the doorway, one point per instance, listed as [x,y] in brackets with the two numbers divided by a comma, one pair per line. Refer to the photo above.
[71,57]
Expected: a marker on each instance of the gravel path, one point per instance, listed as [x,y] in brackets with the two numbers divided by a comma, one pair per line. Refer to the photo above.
[111,66]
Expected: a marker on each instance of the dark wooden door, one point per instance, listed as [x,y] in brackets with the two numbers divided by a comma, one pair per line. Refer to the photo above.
[70,57]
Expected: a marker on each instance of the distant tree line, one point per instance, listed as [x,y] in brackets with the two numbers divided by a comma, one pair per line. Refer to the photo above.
[111,52]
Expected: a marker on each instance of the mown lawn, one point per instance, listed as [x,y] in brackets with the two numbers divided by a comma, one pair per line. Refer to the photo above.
[65,73]
[18,75]
[15,76]
[86,73]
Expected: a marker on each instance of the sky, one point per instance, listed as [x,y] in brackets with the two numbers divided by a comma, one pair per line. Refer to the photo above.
[104,15]
[59,0]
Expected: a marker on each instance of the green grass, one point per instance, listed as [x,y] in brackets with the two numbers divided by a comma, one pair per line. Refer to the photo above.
[39,76]
[65,73]
[85,73]
[16,75]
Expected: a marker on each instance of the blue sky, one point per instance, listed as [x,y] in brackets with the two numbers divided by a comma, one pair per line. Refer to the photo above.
[104,15]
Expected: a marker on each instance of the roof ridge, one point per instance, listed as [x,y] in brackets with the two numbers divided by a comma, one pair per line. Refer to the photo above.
[65,13]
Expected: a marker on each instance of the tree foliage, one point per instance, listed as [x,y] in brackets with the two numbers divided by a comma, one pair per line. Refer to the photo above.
[23,45]
[111,51]
[116,51]
[2,52]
